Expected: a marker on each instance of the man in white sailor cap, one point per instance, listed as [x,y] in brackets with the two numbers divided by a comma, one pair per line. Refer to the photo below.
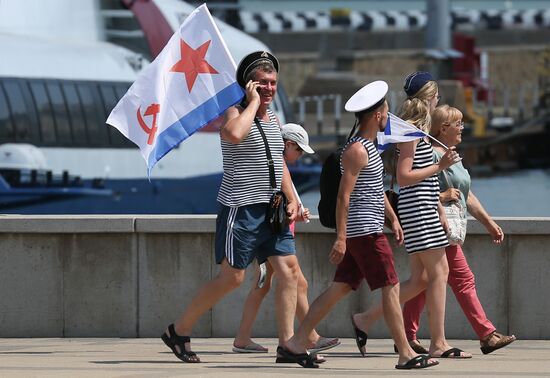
[361,250]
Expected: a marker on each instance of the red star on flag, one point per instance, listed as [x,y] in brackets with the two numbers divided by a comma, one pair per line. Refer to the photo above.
[192,62]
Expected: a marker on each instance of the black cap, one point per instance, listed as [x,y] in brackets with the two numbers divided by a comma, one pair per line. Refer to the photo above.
[415,81]
[251,61]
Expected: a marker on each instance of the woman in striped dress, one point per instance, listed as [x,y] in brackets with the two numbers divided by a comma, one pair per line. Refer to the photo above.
[422,217]
[447,127]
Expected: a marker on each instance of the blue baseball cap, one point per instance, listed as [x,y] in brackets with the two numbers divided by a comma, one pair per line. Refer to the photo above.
[415,81]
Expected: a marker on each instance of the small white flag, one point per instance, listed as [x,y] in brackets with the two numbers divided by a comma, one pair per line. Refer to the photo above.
[397,131]
[190,83]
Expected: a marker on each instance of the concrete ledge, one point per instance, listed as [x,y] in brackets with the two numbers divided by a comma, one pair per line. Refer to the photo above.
[515,226]
[131,275]
[66,224]
[175,223]
[204,223]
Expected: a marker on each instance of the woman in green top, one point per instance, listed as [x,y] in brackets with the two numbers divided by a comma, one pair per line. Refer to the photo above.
[447,126]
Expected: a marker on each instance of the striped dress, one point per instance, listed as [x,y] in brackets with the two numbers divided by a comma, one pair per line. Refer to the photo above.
[366,207]
[418,207]
[245,172]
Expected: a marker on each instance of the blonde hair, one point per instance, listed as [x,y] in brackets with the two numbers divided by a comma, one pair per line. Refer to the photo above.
[416,109]
[442,115]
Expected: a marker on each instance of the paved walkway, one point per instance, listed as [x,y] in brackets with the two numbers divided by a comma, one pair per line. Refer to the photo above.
[150,358]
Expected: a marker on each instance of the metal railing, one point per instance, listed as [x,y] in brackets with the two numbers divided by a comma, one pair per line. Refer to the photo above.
[304,105]
[506,101]
[319,110]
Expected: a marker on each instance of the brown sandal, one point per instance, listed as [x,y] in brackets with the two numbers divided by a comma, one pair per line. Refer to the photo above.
[489,346]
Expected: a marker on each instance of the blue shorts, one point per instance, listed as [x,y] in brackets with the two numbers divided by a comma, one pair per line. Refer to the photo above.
[243,233]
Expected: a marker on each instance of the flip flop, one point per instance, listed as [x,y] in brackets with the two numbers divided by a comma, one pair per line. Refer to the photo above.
[324,343]
[453,353]
[418,362]
[305,360]
[251,347]
[360,338]
[416,347]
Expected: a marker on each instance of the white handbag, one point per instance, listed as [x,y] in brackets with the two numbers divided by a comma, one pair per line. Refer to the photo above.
[456,218]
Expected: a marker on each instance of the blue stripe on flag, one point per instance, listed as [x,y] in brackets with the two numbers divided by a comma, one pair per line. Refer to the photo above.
[193,121]
[415,133]
[383,147]
[387,130]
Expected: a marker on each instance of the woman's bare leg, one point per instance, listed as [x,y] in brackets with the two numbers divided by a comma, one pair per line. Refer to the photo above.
[251,308]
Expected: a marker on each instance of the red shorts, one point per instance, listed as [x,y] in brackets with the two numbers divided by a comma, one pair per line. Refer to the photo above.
[368,257]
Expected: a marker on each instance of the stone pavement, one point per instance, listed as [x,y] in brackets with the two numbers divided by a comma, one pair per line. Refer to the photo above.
[150,358]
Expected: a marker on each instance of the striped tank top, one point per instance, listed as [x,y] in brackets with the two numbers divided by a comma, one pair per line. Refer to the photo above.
[245,172]
[366,207]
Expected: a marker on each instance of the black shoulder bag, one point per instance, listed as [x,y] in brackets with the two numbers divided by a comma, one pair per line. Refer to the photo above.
[276,212]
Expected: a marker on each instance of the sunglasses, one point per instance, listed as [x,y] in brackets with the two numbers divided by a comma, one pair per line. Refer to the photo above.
[457,124]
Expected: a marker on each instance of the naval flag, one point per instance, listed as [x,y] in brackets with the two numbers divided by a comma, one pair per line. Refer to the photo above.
[190,83]
[397,131]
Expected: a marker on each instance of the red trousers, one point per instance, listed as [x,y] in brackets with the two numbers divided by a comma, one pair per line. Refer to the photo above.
[462,282]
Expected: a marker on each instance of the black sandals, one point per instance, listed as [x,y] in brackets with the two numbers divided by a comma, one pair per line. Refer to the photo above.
[421,361]
[303,359]
[172,340]
[284,360]
[360,338]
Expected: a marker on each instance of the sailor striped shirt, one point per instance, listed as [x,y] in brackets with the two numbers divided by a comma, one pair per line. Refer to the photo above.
[366,207]
[245,171]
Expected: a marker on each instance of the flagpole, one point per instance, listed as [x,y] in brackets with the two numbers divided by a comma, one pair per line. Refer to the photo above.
[300,202]
[434,139]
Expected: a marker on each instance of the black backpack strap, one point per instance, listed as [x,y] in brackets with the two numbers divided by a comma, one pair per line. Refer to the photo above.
[270,163]
[353,130]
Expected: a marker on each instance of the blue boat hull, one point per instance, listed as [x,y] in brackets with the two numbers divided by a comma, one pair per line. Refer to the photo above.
[195,195]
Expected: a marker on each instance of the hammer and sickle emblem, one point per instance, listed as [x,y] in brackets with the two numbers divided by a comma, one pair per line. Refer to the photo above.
[153,110]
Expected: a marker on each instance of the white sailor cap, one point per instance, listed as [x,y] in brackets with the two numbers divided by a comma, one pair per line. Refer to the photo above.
[370,97]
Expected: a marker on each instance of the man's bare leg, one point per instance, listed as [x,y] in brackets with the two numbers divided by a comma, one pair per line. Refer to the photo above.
[302,304]
[209,294]
[285,269]
[317,311]
[408,289]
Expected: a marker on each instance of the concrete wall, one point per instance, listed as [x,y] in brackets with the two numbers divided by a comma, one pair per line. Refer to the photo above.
[129,276]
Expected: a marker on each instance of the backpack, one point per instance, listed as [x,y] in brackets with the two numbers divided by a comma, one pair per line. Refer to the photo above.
[329,183]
